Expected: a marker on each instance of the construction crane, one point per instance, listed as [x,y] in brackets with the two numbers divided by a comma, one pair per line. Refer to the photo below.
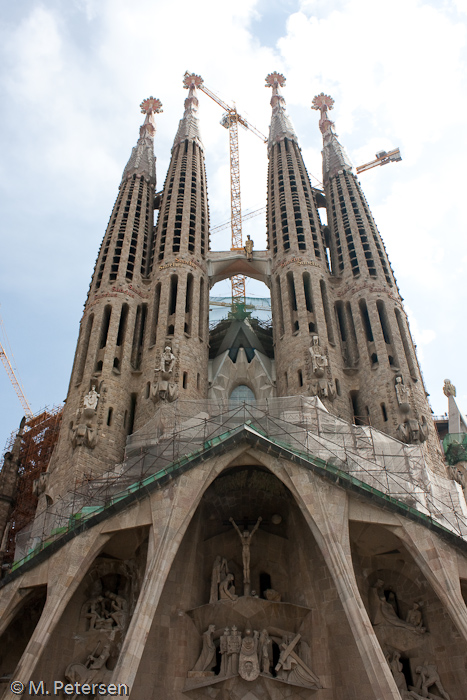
[230,120]
[10,371]
[245,217]
[382,158]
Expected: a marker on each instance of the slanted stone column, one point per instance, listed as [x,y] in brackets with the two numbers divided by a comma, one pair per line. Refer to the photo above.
[439,564]
[326,511]
[66,571]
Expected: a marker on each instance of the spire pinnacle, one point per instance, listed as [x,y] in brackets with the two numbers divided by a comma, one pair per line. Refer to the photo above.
[188,127]
[281,126]
[335,158]
[142,161]
[150,107]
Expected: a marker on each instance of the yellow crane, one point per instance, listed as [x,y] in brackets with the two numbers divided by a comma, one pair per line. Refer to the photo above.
[11,373]
[230,120]
[382,158]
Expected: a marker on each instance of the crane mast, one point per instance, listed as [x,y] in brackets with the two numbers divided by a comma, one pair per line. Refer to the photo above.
[230,120]
[12,376]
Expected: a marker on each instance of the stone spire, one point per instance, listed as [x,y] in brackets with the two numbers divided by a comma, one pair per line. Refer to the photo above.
[335,158]
[281,126]
[188,128]
[142,161]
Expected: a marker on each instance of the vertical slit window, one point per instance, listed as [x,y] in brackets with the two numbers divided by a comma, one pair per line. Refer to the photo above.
[384,322]
[173,294]
[366,320]
[138,336]
[131,414]
[122,325]
[292,301]
[327,312]
[155,317]
[307,290]
[188,303]
[84,349]
[406,344]
[340,320]
[105,326]
[386,332]
[279,306]
[201,310]
[353,347]
[359,416]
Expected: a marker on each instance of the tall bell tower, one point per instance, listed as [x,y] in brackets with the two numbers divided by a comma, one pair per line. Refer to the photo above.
[100,407]
[375,363]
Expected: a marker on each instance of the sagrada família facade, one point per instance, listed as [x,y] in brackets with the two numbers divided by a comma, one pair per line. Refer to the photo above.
[245,512]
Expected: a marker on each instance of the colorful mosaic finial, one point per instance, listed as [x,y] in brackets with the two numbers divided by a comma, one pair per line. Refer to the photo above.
[191,80]
[275,80]
[152,104]
[324,103]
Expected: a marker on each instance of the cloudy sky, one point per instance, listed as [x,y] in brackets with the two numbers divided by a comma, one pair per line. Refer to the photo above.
[73,73]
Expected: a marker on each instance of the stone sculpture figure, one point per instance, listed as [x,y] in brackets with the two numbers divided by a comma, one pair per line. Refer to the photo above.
[94,609]
[207,658]
[449,389]
[249,248]
[248,666]
[234,643]
[271,594]
[97,661]
[319,361]
[164,389]
[412,431]
[265,652]
[245,539]
[384,613]
[219,572]
[402,395]
[292,668]
[91,399]
[414,616]
[93,670]
[429,678]
[84,432]
[396,670]
[117,609]
[106,612]
[227,589]
[223,644]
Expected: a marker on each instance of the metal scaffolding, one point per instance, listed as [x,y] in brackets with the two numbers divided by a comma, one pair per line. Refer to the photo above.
[40,435]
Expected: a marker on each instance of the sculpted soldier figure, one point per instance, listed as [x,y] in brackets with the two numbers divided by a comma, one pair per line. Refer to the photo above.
[223,643]
[249,248]
[234,643]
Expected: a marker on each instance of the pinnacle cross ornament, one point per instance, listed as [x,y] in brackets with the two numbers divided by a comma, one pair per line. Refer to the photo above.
[275,80]
[324,103]
[150,107]
[191,80]
[152,104]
